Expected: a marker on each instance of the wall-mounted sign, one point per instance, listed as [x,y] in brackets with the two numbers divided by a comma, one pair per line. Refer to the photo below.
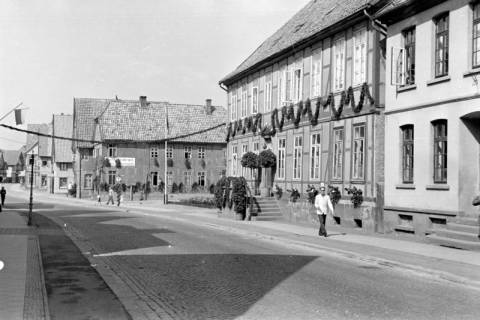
[125,162]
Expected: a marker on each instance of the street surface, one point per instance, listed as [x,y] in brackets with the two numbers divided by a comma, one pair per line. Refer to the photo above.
[180,270]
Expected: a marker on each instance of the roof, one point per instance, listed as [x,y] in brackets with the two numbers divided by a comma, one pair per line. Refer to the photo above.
[62,127]
[129,121]
[314,18]
[85,110]
[45,143]
[32,139]
[396,10]
[11,156]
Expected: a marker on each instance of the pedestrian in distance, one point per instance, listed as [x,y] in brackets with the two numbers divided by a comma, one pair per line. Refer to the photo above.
[3,194]
[323,204]
[110,196]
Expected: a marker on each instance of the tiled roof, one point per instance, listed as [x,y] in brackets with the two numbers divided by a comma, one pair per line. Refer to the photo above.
[45,143]
[396,10]
[63,127]
[128,121]
[85,110]
[315,17]
[11,156]
[32,139]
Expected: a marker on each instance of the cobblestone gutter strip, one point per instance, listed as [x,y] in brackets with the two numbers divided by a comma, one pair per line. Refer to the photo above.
[36,304]
[139,302]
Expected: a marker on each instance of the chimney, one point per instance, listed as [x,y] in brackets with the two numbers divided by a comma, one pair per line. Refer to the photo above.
[208,106]
[143,101]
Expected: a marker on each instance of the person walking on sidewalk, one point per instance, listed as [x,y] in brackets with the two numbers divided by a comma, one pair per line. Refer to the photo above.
[323,204]
[3,194]
[110,196]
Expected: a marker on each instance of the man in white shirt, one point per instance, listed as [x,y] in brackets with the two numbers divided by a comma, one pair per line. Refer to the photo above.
[323,204]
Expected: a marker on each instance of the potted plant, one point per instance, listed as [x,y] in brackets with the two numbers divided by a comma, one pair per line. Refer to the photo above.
[278,192]
[294,195]
[357,196]
[312,193]
[118,163]
[106,162]
[239,198]
[335,195]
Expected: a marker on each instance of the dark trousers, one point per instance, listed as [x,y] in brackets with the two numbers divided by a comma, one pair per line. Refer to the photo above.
[3,200]
[322,231]
[110,198]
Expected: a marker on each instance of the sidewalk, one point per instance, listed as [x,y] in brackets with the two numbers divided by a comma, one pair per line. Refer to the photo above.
[403,253]
[22,288]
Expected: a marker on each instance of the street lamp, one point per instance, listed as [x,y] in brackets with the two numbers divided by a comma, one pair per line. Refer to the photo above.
[32,160]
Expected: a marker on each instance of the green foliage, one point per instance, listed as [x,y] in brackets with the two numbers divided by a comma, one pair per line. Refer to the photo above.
[195,187]
[239,192]
[312,193]
[221,192]
[357,196]
[174,188]
[294,195]
[278,191]
[267,159]
[181,187]
[211,189]
[335,195]
[250,160]
[169,162]
[188,164]
[118,163]
[106,163]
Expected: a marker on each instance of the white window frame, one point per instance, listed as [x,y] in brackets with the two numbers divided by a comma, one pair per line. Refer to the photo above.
[61,185]
[339,47]
[234,160]
[254,102]
[315,155]
[169,151]
[112,151]
[244,103]
[187,179]
[88,181]
[154,152]
[281,89]
[358,154]
[169,179]
[201,152]
[316,73]
[187,152]
[337,172]
[360,56]
[256,147]
[152,175]
[282,143]
[112,177]
[234,106]
[268,96]
[288,84]
[297,85]
[297,157]
[201,175]
[244,150]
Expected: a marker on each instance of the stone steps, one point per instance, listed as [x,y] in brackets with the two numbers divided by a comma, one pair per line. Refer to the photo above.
[454,243]
[267,209]
[461,233]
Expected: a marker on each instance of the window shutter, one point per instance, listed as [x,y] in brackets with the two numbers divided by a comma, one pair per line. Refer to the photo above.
[398,66]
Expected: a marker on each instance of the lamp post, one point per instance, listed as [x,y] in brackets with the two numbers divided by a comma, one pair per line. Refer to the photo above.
[32,160]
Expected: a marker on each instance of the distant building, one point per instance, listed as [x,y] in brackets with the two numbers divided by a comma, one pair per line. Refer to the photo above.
[432,113]
[127,143]
[62,155]
[41,148]
[329,55]
[11,165]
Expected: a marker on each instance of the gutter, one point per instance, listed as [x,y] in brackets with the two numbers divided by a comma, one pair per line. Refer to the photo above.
[377,25]
[223,86]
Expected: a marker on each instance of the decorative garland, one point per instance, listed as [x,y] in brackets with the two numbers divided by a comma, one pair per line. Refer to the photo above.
[229,132]
[300,112]
[257,124]
[290,112]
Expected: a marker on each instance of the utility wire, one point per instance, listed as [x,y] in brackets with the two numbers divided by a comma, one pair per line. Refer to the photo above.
[100,142]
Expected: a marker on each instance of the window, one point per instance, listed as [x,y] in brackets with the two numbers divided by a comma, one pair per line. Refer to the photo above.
[297,85]
[254,100]
[358,152]
[154,176]
[315,155]
[44,163]
[282,142]
[62,183]
[476,36]
[244,102]
[409,47]
[63,166]
[337,153]
[169,152]
[43,180]
[154,152]
[288,86]
[297,158]
[268,96]
[234,106]
[407,153]
[441,46]
[316,75]
[86,153]
[360,57]
[201,152]
[244,150]
[112,151]
[188,152]
[169,179]
[339,65]
[112,175]
[256,147]
[201,178]
[234,161]
[87,181]
[281,88]
[440,151]
[187,179]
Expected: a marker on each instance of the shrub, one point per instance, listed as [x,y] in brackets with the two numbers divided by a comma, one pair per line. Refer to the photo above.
[239,192]
[195,187]
[181,187]
[221,192]
[174,188]
[118,163]
[188,164]
[294,195]
[250,160]
[106,162]
[202,163]
[169,162]
[357,196]
[335,195]
[211,189]
[161,186]
[312,193]
[73,190]
[278,192]
[124,187]
[267,159]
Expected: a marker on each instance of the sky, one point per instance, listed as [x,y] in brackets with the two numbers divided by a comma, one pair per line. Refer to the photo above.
[169,50]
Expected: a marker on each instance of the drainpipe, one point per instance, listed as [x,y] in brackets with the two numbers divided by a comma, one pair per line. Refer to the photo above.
[377,25]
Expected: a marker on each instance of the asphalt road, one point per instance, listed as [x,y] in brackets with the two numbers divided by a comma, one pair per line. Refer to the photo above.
[191,272]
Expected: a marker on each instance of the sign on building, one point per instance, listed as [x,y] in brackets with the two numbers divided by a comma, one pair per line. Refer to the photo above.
[125,162]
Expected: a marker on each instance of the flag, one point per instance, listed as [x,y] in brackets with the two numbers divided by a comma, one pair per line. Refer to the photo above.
[19,116]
